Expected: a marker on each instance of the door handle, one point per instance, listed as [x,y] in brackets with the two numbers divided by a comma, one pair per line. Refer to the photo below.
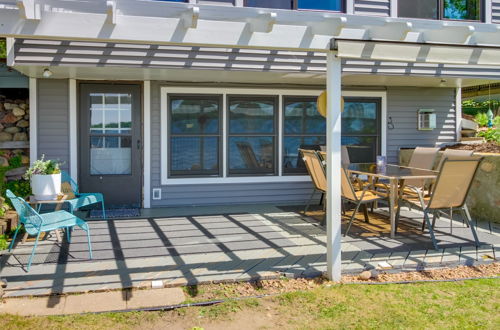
[138,144]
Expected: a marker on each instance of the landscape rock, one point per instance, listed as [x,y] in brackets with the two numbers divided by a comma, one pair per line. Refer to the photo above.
[1,127]
[8,106]
[27,117]
[3,283]
[12,129]
[9,119]
[23,106]
[1,107]
[16,171]
[365,276]
[4,136]
[4,162]
[18,112]
[23,123]
[20,137]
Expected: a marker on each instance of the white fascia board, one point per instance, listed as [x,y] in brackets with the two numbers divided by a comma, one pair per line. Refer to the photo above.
[160,22]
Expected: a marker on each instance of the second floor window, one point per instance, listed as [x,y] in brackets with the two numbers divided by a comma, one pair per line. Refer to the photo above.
[333,5]
[469,10]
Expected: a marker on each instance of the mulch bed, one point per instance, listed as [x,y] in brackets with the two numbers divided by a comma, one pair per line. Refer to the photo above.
[487,147]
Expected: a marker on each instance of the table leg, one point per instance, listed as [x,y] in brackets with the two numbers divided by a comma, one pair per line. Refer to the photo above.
[25,237]
[393,193]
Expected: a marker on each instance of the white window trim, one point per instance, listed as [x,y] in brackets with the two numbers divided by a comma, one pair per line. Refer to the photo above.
[165,91]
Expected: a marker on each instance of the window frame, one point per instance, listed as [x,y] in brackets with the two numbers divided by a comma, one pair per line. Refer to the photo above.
[190,174]
[286,99]
[275,134]
[294,5]
[440,13]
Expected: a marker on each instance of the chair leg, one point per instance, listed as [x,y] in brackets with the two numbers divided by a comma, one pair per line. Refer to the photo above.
[103,210]
[321,198]
[451,220]
[431,230]
[365,213]
[309,202]
[33,252]
[88,239]
[14,238]
[352,218]
[68,234]
[468,220]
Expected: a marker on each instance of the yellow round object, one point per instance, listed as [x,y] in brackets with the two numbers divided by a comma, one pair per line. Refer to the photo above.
[321,104]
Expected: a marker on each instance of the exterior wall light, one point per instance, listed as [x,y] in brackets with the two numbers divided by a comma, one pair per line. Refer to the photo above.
[47,73]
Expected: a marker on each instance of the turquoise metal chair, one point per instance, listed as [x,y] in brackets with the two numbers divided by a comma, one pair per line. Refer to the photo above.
[36,223]
[82,199]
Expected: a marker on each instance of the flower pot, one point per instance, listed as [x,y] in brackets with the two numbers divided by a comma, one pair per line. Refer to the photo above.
[46,187]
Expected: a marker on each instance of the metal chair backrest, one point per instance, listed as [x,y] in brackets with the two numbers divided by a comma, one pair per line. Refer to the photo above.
[453,182]
[453,153]
[422,158]
[346,186]
[65,177]
[314,168]
[344,154]
[27,215]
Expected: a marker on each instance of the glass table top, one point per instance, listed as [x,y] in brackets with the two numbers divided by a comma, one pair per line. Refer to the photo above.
[391,171]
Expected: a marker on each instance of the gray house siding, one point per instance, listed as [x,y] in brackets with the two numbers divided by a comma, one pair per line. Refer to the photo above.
[53,120]
[495,11]
[372,7]
[403,104]
[77,53]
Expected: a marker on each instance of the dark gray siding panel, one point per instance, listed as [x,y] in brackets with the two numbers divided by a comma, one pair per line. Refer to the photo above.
[372,7]
[495,11]
[403,104]
[53,120]
[78,53]
[213,194]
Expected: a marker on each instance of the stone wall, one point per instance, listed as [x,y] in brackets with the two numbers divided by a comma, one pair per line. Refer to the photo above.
[484,196]
[14,119]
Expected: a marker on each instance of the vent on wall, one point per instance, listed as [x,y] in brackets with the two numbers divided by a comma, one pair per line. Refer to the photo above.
[156,193]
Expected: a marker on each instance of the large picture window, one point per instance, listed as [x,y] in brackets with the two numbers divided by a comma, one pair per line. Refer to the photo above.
[469,10]
[195,135]
[303,127]
[252,135]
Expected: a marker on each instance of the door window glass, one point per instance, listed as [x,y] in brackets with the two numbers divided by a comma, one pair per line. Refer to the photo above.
[110,133]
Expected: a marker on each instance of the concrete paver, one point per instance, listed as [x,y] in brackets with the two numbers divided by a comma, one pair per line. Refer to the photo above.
[96,302]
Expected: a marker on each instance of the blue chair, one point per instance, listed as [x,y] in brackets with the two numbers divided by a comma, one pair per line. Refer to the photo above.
[82,199]
[36,223]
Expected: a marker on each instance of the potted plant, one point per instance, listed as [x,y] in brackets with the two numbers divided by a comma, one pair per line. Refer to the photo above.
[45,177]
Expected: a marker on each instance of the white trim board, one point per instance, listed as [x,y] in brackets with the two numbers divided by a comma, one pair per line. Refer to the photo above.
[33,94]
[146,132]
[164,91]
[73,130]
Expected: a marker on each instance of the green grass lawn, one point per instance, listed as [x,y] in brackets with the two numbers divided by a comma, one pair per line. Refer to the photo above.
[456,305]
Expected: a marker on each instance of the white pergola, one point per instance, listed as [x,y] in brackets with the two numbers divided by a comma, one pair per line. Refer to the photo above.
[338,35]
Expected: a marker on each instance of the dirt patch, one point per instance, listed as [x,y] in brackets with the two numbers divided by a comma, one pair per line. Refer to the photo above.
[487,147]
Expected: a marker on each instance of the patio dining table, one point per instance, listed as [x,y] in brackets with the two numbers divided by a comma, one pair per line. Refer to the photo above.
[395,175]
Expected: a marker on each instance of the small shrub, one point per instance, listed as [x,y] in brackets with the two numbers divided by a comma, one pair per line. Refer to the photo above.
[481,119]
[44,167]
[496,122]
[490,135]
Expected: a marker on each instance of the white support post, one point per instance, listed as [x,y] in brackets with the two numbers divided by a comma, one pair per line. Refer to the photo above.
[10,51]
[394,8]
[147,144]
[333,138]
[458,114]
[488,11]
[33,93]
[349,4]
[73,131]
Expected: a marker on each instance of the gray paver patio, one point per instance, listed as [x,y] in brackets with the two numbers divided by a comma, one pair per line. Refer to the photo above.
[189,246]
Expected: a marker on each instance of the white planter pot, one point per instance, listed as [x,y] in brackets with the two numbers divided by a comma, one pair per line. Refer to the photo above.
[46,187]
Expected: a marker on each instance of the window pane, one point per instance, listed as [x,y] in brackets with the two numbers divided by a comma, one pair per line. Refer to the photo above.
[216,2]
[359,118]
[279,4]
[251,155]
[320,4]
[462,9]
[418,9]
[110,155]
[194,155]
[361,149]
[303,118]
[292,163]
[251,116]
[194,116]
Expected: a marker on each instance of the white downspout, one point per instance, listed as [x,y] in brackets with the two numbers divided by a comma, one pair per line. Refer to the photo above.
[333,138]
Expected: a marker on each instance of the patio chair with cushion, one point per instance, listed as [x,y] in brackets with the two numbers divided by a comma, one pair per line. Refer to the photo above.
[453,153]
[75,199]
[359,198]
[448,192]
[316,171]
[36,223]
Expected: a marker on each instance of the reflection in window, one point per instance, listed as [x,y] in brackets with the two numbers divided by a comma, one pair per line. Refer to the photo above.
[462,10]
[303,128]
[252,131]
[278,4]
[441,9]
[194,135]
[334,5]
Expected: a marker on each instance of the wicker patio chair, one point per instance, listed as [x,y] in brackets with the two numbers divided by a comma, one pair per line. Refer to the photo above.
[36,223]
[81,199]
[448,192]
[359,198]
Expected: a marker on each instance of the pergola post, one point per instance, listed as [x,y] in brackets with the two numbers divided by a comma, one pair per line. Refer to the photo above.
[333,168]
